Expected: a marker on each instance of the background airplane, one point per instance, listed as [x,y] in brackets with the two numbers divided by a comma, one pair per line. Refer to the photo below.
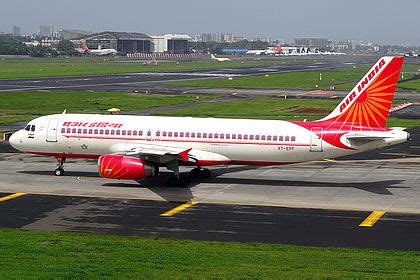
[134,147]
[99,52]
[219,59]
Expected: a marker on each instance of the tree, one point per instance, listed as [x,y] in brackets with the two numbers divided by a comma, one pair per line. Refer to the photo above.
[66,47]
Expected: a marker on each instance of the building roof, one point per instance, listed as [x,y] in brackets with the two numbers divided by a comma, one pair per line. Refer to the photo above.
[119,35]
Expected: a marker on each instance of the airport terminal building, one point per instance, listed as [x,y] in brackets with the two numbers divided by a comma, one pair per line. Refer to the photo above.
[123,42]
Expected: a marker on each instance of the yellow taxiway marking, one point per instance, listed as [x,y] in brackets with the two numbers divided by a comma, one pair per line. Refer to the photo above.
[329,160]
[4,198]
[308,92]
[415,147]
[178,209]
[372,219]
[334,96]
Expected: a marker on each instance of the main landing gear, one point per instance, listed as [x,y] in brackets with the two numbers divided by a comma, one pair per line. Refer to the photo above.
[59,171]
[199,172]
[183,180]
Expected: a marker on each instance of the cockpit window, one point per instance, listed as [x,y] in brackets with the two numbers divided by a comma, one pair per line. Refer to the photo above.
[32,128]
[28,127]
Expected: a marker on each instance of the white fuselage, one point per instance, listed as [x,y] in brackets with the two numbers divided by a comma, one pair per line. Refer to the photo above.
[213,141]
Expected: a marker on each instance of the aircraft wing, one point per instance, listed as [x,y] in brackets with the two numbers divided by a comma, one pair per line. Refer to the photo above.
[164,154]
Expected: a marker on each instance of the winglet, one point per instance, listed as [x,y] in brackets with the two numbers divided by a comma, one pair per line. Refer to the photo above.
[184,154]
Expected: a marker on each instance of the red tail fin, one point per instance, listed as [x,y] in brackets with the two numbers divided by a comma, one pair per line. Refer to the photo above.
[278,48]
[368,104]
[83,46]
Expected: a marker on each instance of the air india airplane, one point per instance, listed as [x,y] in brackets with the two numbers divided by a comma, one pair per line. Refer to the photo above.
[100,52]
[134,147]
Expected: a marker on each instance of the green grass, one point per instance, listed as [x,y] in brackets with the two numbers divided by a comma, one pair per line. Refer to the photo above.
[46,67]
[24,106]
[42,255]
[270,108]
[342,79]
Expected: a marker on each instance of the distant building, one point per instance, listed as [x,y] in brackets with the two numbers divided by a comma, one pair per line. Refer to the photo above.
[16,31]
[123,42]
[71,34]
[218,37]
[320,43]
[171,43]
[45,31]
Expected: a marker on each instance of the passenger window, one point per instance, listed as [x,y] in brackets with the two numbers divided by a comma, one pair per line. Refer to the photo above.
[158,133]
[239,136]
[246,137]
[118,132]
[262,137]
[233,136]
[141,133]
[90,131]
[129,132]
[169,134]
[101,131]
[84,131]
[79,131]
[286,138]
[123,132]
[187,134]
[95,131]
[112,132]
[204,135]
[210,135]
[74,130]
[269,138]
[63,130]
[222,136]
[293,138]
[216,135]
[280,138]
[198,135]
[257,137]
[181,134]
[164,134]
[175,134]
[227,136]
[106,132]
[251,137]
[135,132]
[274,138]
[192,134]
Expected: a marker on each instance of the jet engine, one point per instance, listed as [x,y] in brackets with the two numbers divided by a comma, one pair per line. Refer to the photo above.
[122,167]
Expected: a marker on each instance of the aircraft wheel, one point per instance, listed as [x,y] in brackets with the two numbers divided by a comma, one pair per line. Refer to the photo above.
[59,172]
[205,173]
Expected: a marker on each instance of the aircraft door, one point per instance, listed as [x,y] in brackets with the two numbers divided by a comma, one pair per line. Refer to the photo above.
[52,130]
[316,139]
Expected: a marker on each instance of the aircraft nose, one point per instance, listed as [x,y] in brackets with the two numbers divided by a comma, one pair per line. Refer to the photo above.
[15,140]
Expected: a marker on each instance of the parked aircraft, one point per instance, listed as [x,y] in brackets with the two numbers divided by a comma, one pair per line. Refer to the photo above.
[219,59]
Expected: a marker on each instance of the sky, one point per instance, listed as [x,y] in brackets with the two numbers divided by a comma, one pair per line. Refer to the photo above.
[381,21]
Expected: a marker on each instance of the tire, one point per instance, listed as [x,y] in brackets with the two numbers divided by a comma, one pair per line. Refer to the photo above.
[59,172]
[205,173]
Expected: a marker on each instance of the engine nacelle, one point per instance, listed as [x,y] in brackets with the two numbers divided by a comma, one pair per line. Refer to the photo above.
[122,167]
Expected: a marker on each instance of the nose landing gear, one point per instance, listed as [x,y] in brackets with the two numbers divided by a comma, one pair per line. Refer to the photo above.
[59,171]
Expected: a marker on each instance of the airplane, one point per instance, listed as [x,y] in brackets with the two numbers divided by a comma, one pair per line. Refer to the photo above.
[219,59]
[134,147]
[100,52]
[269,51]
